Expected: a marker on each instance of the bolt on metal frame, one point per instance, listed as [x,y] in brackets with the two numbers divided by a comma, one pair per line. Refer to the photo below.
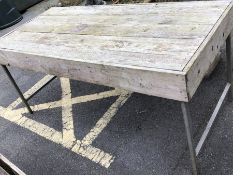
[186,113]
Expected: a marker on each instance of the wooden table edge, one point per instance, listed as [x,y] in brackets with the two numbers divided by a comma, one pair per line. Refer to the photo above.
[205,55]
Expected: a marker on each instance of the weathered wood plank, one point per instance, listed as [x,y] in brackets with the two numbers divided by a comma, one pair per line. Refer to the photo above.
[177,24]
[137,9]
[169,19]
[169,61]
[157,83]
[129,30]
[170,26]
[158,19]
[208,50]
[112,43]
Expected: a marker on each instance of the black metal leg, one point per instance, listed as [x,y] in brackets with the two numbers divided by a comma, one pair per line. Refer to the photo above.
[17,88]
[229,65]
[188,128]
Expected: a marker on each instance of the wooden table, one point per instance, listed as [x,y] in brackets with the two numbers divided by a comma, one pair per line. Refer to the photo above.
[160,49]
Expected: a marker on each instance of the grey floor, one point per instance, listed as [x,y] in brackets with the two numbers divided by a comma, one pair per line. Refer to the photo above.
[146,136]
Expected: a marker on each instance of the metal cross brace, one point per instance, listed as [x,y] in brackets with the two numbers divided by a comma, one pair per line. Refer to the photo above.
[186,113]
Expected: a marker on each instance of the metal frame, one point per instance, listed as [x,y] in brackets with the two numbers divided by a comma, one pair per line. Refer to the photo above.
[24,100]
[9,167]
[186,113]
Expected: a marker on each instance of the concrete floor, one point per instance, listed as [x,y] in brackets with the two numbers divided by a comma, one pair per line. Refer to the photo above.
[145,136]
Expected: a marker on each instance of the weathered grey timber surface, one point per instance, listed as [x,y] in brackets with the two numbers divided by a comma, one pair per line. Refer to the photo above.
[161,49]
[146,135]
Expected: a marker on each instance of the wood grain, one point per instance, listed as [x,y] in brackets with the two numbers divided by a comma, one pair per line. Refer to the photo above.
[206,54]
[145,8]
[161,49]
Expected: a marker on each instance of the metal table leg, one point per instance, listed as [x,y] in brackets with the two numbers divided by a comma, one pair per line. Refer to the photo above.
[188,128]
[187,120]
[25,100]
[17,88]
[229,65]
[9,167]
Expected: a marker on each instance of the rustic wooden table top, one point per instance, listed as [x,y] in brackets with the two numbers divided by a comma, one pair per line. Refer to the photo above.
[159,49]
